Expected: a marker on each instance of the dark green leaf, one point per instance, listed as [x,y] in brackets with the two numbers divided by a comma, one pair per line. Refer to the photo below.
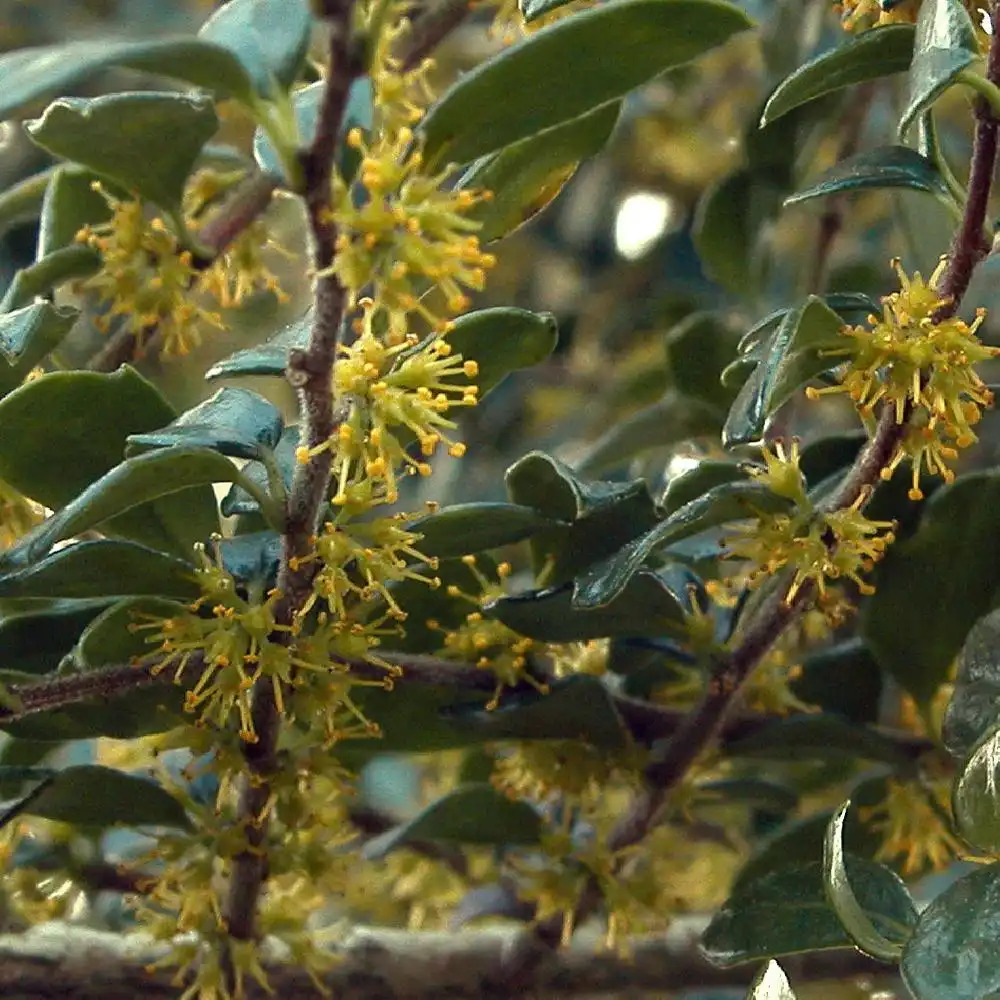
[527,175]
[844,679]
[234,422]
[570,68]
[268,37]
[265,477]
[70,203]
[471,814]
[27,335]
[945,44]
[35,72]
[885,167]
[268,358]
[112,637]
[46,274]
[35,641]
[695,482]
[22,201]
[253,558]
[974,709]
[102,568]
[886,945]
[795,354]
[734,501]
[819,736]
[648,605]
[95,413]
[757,792]
[146,142]
[868,56]
[136,481]
[91,795]
[975,797]
[771,983]
[475,527]
[698,349]
[786,911]
[952,954]
[914,625]
[577,708]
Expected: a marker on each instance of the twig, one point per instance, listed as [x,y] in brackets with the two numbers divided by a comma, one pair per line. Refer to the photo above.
[430,29]
[310,372]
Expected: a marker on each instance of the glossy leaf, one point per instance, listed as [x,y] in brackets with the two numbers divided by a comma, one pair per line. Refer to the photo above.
[95,413]
[70,203]
[252,558]
[771,983]
[110,638]
[869,56]
[22,201]
[841,894]
[147,142]
[913,625]
[604,582]
[526,176]
[531,10]
[471,814]
[819,736]
[574,708]
[102,568]
[698,349]
[952,954]
[976,798]
[268,358]
[27,335]
[31,73]
[279,467]
[945,44]
[476,527]
[795,354]
[48,273]
[306,104]
[92,795]
[268,37]
[647,605]
[35,640]
[694,483]
[570,68]
[974,709]
[786,912]
[885,167]
[234,422]
[843,678]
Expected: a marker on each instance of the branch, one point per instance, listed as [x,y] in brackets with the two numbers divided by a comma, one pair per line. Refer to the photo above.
[430,29]
[59,959]
[310,373]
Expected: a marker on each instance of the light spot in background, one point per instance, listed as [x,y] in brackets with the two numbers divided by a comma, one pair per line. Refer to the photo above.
[680,464]
[642,218]
[984,20]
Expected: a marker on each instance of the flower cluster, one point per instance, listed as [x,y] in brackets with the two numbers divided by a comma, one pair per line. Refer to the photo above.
[818,545]
[922,367]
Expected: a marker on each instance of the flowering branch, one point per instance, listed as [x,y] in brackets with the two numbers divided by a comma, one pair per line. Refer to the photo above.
[310,372]
[430,29]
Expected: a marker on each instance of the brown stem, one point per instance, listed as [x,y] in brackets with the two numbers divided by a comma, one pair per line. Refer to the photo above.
[430,29]
[310,373]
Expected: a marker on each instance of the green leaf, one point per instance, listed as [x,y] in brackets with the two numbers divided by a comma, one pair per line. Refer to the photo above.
[95,413]
[885,167]
[974,709]
[786,912]
[234,422]
[839,891]
[36,640]
[264,476]
[268,358]
[648,605]
[771,983]
[570,68]
[136,481]
[975,797]
[575,708]
[757,792]
[475,527]
[531,10]
[526,176]
[268,37]
[27,335]
[147,142]
[22,201]
[843,678]
[31,73]
[471,814]
[698,349]
[693,483]
[728,220]
[945,44]
[253,558]
[604,581]
[869,56]
[952,954]
[306,104]
[598,517]
[102,568]
[46,274]
[913,625]
[111,638]
[818,736]
[92,795]
[794,355]
[70,203]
